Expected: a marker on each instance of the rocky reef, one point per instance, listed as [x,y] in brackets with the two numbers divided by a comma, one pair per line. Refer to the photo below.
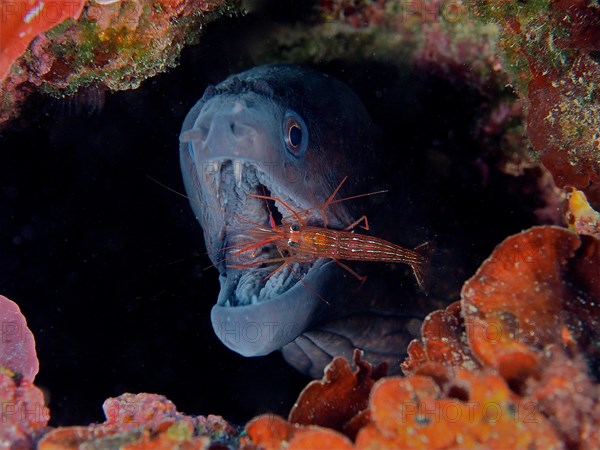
[512,364]
[133,421]
[66,46]
[550,50]
[545,51]
[513,360]
[145,421]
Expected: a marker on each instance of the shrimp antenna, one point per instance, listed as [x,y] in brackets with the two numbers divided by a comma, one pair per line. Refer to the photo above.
[168,188]
[331,201]
[243,219]
[339,200]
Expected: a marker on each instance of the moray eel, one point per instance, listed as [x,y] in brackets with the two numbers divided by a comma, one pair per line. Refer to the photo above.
[291,133]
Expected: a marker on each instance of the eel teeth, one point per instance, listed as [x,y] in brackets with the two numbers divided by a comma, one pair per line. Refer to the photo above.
[238,168]
[212,170]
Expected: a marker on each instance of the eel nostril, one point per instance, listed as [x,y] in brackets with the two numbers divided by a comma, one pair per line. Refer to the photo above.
[240,130]
[203,132]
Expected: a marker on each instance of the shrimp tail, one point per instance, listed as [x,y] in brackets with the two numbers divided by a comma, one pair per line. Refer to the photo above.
[422,268]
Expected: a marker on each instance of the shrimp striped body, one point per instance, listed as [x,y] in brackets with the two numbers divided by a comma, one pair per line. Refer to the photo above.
[326,243]
[308,242]
[298,242]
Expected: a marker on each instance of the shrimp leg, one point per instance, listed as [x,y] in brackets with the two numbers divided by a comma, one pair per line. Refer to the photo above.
[354,224]
[285,205]
[253,246]
[259,263]
[361,278]
[329,201]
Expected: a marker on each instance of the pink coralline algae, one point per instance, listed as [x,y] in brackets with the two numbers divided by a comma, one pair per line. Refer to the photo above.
[24,416]
[17,349]
[23,413]
[547,51]
[144,422]
[133,421]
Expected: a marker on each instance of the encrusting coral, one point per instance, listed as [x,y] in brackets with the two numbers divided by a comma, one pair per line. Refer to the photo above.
[506,367]
[509,365]
[144,421]
[133,421]
[550,51]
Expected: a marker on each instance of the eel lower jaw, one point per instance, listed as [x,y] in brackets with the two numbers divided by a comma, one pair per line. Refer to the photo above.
[259,329]
[254,286]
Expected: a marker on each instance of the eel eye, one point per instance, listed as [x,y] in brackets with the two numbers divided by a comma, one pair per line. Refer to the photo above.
[295,133]
[295,227]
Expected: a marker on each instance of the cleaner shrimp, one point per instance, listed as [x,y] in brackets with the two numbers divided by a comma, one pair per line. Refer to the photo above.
[296,241]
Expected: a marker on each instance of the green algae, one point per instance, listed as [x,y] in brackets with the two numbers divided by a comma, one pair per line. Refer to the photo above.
[117,53]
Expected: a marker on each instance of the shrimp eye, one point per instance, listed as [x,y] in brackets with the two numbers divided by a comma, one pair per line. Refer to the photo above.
[295,133]
[292,243]
[295,227]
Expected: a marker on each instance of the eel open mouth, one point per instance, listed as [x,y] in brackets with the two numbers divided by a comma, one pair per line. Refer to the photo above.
[257,276]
